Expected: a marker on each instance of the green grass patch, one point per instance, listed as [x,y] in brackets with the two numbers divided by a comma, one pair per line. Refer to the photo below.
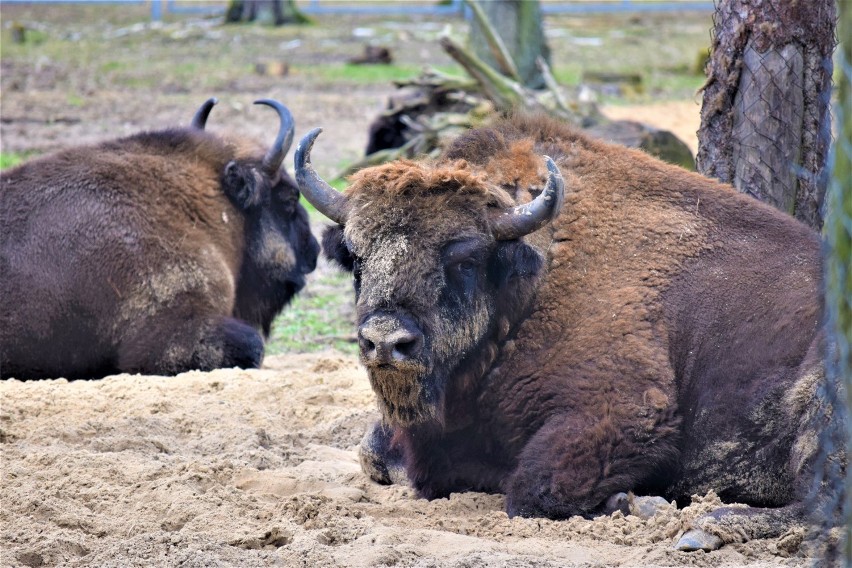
[75,100]
[111,66]
[661,86]
[321,316]
[185,69]
[9,159]
[569,76]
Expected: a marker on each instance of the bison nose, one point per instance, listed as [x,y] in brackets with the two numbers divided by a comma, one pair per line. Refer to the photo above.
[386,339]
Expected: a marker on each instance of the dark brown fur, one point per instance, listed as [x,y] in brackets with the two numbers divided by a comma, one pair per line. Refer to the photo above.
[157,253]
[662,335]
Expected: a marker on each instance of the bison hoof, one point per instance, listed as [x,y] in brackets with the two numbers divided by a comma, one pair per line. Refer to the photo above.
[647,507]
[697,539]
[379,461]
[618,502]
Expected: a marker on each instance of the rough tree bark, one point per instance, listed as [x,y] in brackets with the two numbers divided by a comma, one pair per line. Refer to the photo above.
[765,112]
[519,24]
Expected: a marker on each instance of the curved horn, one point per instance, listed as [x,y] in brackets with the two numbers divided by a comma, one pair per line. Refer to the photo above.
[515,222]
[199,121]
[275,156]
[325,198]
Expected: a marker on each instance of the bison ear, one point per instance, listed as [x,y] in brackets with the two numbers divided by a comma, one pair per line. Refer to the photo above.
[516,275]
[516,262]
[242,184]
[335,248]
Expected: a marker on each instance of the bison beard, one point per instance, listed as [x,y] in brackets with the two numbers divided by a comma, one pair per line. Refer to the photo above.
[157,253]
[661,334]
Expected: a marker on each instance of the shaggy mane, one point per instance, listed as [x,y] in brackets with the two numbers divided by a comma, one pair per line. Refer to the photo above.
[410,178]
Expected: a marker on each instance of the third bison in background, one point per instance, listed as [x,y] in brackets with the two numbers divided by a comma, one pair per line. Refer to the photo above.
[659,333]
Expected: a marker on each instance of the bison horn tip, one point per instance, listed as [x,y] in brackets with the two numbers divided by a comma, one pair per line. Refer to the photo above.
[199,121]
[306,144]
[275,156]
[515,222]
[320,194]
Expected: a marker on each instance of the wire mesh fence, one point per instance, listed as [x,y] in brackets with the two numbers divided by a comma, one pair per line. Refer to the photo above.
[837,512]
[832,513]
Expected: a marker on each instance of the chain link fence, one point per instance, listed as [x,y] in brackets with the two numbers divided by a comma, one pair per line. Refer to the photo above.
[837,511]
[830,494]
[766,129]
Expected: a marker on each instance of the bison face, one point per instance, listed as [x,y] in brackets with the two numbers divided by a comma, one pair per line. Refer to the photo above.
[425,297]
[440,274]
[279,243]
[429,304]
[279,247]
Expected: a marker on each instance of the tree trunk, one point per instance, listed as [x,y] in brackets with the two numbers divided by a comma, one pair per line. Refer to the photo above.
[765,125]
[519,24]
[276,12]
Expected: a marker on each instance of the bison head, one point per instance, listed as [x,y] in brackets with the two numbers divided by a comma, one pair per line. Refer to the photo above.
[441,273]
[279,247]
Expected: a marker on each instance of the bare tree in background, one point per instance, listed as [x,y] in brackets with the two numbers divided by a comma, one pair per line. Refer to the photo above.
[765,112]
[518,24]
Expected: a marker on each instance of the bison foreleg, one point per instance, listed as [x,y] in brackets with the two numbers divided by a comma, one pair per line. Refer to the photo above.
[167,344]
[379,459]
[739,524]
[569,469]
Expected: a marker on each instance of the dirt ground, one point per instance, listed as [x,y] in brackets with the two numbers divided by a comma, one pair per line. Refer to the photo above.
[259,468]
[254,468]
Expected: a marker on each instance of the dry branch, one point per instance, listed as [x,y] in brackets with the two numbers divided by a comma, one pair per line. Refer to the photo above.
[441,106]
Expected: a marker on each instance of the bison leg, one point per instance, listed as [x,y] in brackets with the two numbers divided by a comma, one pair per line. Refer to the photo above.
[379,459]
[569,468]
[816,414]
[160,347]
[739,524]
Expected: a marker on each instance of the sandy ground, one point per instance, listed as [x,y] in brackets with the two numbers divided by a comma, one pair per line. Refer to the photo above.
[681,118]
[259,468]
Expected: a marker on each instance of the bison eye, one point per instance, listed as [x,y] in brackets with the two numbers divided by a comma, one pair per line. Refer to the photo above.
[465,268]
[462,261]
[462,279]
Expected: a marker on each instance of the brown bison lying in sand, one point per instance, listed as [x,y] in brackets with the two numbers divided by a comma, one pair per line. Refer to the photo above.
[660,333]
[157,253]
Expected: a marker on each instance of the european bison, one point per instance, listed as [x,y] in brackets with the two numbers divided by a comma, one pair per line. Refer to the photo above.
[157,253]
[661,334]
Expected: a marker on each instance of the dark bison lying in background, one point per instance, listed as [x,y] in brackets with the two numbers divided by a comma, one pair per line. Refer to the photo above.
[156,253]
[661,334]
